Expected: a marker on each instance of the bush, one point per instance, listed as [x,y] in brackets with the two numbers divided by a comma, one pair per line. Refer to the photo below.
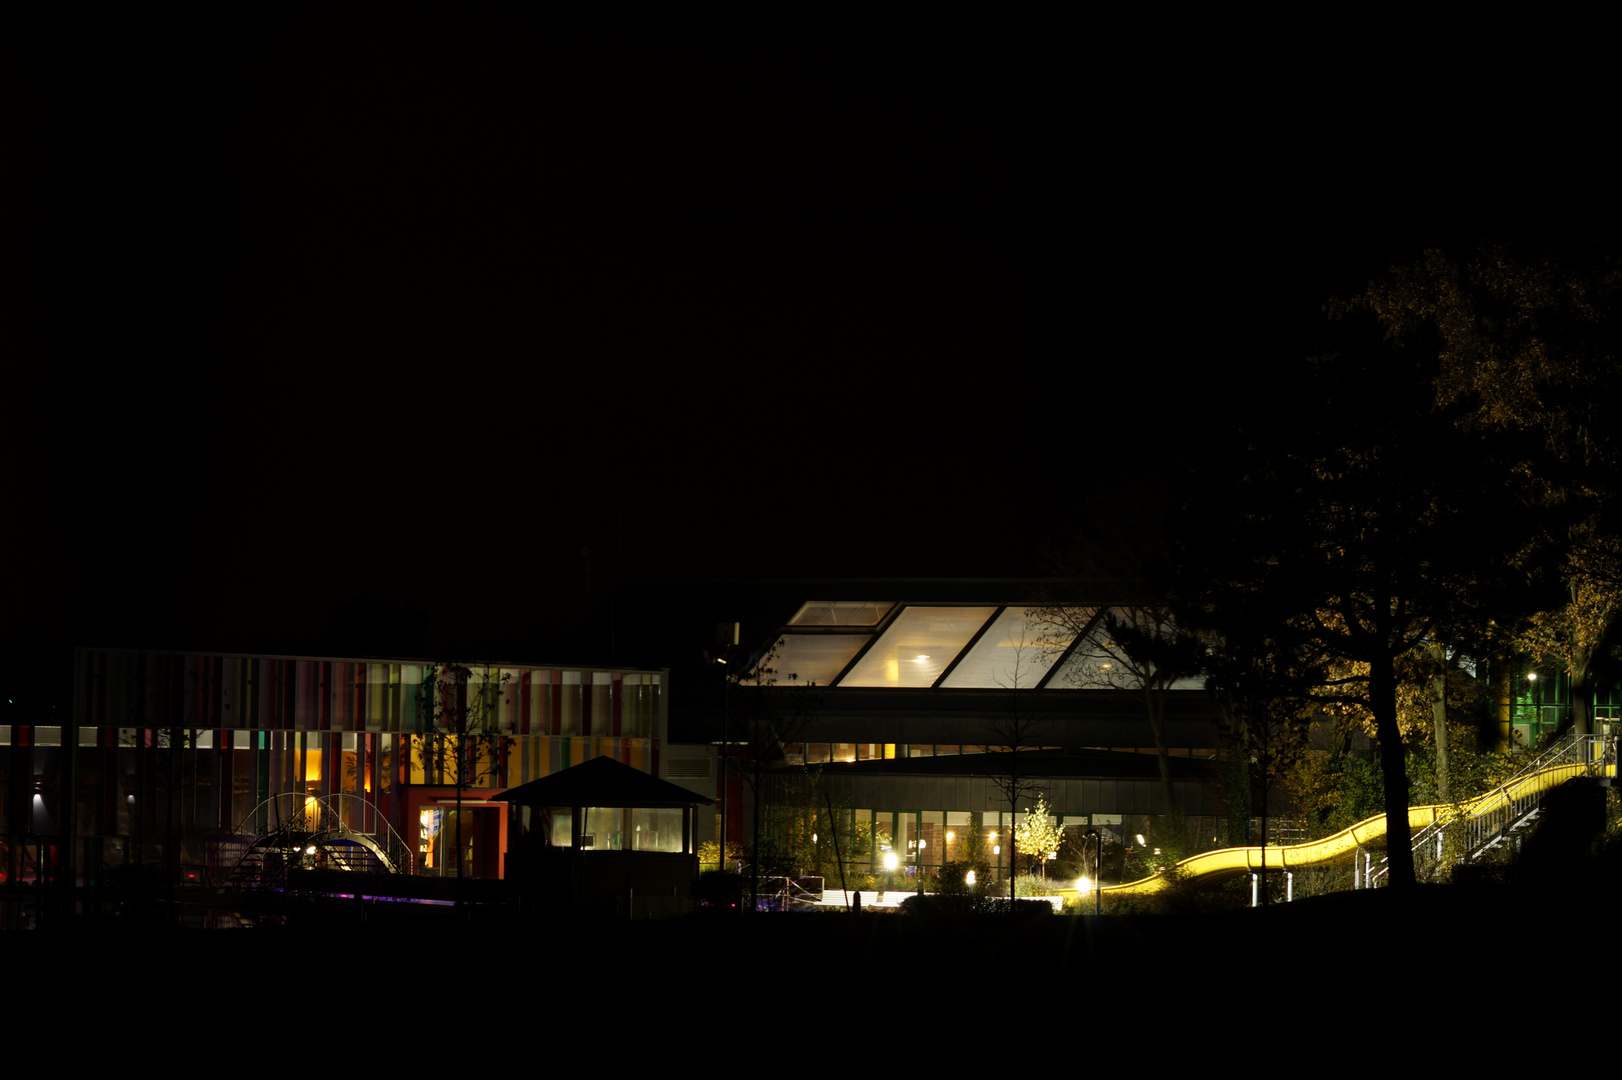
[952,879]
[719,888]
[1031,885]
[708,850]
[960,905]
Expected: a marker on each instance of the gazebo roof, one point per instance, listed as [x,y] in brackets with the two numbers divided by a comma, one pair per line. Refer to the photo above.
[601,782]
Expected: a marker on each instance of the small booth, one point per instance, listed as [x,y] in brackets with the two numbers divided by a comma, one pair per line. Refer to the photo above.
[605,838]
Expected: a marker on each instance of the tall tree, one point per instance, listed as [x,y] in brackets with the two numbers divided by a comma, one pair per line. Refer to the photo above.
[773,709]
[462,741]
[1135,647]
[1017,731]
[1262,688]
[1356,526]
[1109,615]
[1527,355]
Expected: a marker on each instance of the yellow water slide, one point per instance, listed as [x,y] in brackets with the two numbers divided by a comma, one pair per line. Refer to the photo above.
[1228,862]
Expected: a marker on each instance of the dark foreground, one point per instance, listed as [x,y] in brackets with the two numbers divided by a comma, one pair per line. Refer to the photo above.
[1358,935]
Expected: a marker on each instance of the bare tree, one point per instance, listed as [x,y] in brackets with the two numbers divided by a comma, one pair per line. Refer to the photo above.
[773,715]
[1018,730]
[462,741]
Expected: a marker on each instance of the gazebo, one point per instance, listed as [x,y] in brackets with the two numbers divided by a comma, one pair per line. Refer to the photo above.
[602,836]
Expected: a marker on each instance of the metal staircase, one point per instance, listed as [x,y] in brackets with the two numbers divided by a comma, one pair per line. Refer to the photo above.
[1502,816]
[292,830]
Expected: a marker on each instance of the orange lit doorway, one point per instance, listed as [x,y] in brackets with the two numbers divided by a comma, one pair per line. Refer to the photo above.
[483,838]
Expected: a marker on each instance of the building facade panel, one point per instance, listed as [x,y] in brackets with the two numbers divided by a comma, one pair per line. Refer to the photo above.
[168,756]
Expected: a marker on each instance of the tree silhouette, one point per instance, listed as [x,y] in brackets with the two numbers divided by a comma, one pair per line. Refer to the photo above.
[772,715]
[1357,529]
[1012,734]
[1525,354]
[462,742]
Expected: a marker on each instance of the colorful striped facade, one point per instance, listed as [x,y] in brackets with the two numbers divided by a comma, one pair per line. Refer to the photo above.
[168,755]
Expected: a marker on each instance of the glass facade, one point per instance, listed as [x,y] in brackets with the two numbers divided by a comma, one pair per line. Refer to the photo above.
[918,646]
[179,759]
[921,671]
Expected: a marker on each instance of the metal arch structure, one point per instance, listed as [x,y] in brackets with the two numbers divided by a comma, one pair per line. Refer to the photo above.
[293,830]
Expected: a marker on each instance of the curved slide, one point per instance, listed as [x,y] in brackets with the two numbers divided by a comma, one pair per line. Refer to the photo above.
[1228,862]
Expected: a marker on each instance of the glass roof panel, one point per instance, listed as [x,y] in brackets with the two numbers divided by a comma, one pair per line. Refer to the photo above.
[1015,653]
[815,658]
[842,613]
[918,646]
[1099,663]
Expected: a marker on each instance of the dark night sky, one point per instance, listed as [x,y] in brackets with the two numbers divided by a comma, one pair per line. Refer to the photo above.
[313,311]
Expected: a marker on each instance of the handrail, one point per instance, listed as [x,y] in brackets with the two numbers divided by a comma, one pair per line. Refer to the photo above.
[1584,755]
[324,814]
[1489,817]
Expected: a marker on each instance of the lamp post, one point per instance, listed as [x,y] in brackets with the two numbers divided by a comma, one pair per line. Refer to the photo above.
[1098,870]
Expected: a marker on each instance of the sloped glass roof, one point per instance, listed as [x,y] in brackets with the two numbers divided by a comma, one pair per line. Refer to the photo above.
[816,658]
[841,613]
[1014,653]
[917,646]
[981,647]
[1098,663]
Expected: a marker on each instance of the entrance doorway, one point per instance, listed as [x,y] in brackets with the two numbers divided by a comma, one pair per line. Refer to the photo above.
[478,849]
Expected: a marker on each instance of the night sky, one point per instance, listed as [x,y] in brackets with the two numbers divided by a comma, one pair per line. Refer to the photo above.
[328,324]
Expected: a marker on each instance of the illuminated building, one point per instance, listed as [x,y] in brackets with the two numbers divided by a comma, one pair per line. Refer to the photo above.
[178,759]
[909,702]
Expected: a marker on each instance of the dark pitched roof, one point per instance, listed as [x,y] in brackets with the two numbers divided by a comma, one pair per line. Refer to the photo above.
[601,782]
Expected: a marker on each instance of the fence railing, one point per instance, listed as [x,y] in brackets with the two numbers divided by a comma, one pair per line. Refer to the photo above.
[1494,817]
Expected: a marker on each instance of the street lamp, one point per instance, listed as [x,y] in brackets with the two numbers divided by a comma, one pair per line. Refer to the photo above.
[1098,870]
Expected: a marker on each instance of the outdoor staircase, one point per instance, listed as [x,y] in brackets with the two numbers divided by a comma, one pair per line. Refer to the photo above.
[1504,815]
[1509,835]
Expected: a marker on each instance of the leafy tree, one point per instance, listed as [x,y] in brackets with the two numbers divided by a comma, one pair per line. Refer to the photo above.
[709,855]
[1264,704]
[968,848]
[1528,359]
[1435,654]
[1038,833]
[1356,528]
[798,827]
[462,742]
[772,716]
